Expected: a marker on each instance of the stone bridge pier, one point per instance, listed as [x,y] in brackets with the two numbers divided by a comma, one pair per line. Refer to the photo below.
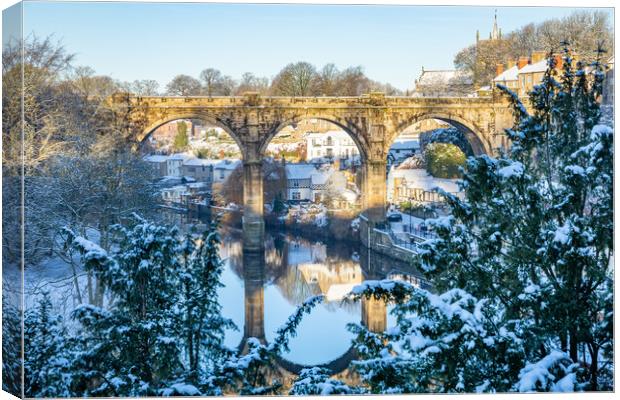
[253,208]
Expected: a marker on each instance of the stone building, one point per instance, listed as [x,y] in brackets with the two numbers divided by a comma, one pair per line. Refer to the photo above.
[159,163]
[169,130]
[443,83]
[199,169]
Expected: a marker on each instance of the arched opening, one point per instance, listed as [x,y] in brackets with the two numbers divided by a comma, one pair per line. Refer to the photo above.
[313,178]
[193,159]
[423,160]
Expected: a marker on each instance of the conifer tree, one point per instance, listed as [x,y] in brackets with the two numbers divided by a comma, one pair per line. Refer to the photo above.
[131,348]
[11,346]
[522,264]
[47,367]
[534,234]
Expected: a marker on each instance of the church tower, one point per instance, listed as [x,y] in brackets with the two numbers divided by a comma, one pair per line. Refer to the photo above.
[496,33]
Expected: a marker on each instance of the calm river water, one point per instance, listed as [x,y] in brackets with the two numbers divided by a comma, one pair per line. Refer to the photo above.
[260,292]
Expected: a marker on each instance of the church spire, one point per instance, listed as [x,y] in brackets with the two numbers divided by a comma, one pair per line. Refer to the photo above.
[495,34]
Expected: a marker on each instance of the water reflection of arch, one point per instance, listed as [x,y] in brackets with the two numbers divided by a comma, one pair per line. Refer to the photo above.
[373,316]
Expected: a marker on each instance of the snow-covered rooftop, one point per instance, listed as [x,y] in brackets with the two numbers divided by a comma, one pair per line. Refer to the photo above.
[179,156]
[511,74]
[198,162]
[401,144]
[445,77]
[420,179]
[540,66]
[227,164]
[320,177]
[156,158]
[299,171]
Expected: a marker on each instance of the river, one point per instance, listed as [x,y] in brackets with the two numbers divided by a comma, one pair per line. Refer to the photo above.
[261,291]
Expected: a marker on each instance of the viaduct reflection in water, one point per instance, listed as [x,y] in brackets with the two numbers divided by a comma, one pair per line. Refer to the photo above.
[298,269]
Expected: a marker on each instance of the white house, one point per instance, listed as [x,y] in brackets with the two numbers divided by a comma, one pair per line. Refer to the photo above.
[306,182]
[298,181]
[331,144]
[175,164]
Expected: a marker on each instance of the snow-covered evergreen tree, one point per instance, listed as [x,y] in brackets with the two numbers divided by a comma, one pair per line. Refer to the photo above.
[522,264]
[131,348]
[316,381]
[203,324]
[47,367]
[534,235]
[11,346]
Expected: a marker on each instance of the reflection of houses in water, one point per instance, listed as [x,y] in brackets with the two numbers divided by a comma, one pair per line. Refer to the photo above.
[311,272]
[334,281]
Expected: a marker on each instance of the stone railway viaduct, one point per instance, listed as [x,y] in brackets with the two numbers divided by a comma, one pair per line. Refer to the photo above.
[373,121]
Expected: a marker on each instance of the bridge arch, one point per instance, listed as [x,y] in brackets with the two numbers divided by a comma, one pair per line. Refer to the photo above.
[206,118]
[471,131]
[349,128]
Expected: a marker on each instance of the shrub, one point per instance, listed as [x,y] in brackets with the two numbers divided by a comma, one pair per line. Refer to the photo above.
[443,160]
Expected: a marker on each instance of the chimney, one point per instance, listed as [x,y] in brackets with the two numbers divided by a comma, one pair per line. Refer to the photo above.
[559,62]
[523,61]
[499,68]
[510,64]
[538,56]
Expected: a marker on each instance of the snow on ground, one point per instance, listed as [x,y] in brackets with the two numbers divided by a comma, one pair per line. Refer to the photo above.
[406,222]
[420,179]
[315,214]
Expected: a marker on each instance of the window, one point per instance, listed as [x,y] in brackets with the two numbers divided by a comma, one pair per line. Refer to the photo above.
[295,196]
[295,183]
[221,174]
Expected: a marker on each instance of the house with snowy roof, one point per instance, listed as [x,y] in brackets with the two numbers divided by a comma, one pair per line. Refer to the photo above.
[307,182]
[199,169]
[532,74]
[158,162]
[299,181]
[443,83]
[527,72]
[508,77]
[175,164]
[403,148]
[222,169]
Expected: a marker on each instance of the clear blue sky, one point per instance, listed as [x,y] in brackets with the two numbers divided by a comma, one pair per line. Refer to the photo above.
[158,41]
